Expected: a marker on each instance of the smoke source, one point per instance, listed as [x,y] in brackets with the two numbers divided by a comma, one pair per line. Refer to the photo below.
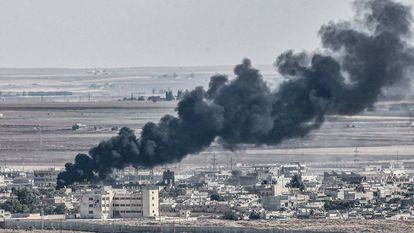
[359,59]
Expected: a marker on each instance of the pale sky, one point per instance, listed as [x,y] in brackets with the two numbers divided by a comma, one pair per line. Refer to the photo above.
[131,33]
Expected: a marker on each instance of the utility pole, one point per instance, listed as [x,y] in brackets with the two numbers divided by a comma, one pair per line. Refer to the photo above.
[397,156]
[152,176]
[40,135]
[41,216]
[214,161]
[356,154]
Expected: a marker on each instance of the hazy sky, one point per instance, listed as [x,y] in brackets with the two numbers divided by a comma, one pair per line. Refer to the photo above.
[120,33]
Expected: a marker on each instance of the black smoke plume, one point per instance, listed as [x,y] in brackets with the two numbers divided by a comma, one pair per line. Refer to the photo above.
[359,59]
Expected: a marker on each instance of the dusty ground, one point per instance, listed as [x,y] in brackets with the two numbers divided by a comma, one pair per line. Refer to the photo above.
[34,133]
[36,231]
[41,134]
[349,226]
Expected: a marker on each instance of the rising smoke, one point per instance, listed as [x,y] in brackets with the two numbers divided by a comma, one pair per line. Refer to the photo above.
[359,59]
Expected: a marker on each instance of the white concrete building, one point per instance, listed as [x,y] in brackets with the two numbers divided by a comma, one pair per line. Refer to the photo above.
[97,204]
[150,202]
[119,203]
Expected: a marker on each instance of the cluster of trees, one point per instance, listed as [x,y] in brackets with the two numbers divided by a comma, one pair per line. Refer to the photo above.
[169,96]
[232,215]
[216,197]
[181,94]
[339,205]
[32,201]
[296,182]
[235,216]
[404,203]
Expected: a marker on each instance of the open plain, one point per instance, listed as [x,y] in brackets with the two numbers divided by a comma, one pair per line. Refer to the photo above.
[41,134]
[37,130]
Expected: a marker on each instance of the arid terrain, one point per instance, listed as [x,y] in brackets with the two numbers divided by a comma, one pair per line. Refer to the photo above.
[41,134]
[221,226]
[37,131]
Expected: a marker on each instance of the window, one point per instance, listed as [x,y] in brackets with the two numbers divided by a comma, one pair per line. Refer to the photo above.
[90,212]
[91,199]
[90,205]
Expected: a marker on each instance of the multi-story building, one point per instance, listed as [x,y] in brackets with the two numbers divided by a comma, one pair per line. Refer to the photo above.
[150,202]
[97,203]
[294,168]
[168,178]
[119,203]
[127,204]
[45,178]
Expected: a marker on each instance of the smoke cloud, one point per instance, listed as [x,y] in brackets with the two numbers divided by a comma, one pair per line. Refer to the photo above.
[358,59]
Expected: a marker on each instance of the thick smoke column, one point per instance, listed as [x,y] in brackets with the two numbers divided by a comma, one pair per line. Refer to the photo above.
[346,79]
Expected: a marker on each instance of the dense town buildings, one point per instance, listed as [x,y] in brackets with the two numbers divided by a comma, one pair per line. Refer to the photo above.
[242,191]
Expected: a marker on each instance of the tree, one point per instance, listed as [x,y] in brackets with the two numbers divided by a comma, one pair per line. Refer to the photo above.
[169,96]
[30,201]
[58,209]
[216,197]
[296,182]
[179,94]
[29,198]
[236,173]
[24,201]
[14,206]
[231,215]
[254,215]
[339,205]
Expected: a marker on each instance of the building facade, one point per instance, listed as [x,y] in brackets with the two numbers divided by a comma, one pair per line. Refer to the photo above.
[45,178]
[119,203]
